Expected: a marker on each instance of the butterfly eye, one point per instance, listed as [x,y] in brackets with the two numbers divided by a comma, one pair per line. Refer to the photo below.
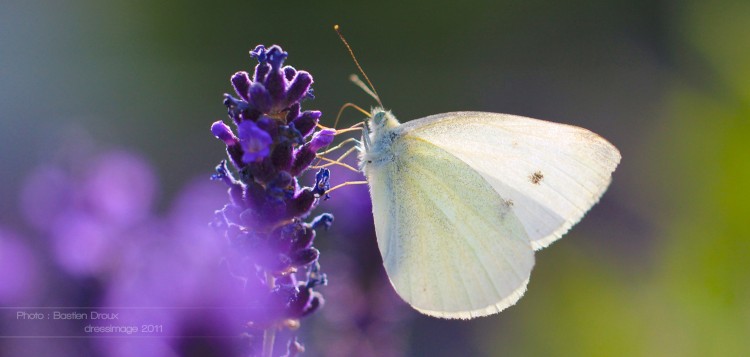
[379,118]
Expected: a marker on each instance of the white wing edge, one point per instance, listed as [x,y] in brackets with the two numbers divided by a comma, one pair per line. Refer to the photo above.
[509,301]
[410,125]
[560,232]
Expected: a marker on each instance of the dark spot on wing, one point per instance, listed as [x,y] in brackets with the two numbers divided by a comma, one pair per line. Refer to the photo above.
[536,177]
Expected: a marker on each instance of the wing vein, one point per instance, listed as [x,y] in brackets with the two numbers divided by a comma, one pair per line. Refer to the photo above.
[443,210]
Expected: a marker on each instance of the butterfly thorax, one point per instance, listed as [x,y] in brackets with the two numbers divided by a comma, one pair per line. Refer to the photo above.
[382,131]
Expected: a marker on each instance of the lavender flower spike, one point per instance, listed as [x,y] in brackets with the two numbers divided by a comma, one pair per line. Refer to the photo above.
[266,222]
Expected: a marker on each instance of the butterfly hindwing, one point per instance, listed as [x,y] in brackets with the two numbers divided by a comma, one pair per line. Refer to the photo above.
[451,245]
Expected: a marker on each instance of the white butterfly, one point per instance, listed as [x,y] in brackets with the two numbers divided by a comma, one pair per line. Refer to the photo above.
[462,200]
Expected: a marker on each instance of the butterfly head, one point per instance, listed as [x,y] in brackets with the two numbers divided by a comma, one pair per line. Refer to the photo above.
[382,119]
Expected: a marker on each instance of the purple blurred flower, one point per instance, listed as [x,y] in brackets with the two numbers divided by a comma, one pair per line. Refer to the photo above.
[170,275]
[270,244]
[82,244]
[86,215]
[120,188]
[111,252]
[21,280]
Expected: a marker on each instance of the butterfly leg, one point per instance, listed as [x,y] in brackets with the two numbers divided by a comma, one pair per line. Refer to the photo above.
[366,136]
[348,183]
[340,145]
[354,127]
[338,161]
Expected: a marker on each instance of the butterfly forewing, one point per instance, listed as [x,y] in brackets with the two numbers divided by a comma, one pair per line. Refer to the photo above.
[549,173]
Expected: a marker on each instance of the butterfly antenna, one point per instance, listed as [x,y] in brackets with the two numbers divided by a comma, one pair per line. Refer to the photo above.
[349,105]
[373,93]
[358,82]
